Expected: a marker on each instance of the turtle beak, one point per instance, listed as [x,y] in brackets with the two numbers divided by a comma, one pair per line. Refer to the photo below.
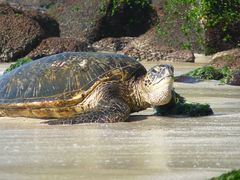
[163,71]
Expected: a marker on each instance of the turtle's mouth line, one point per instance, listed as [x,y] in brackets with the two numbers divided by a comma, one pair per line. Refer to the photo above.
[166,77]
[169,76]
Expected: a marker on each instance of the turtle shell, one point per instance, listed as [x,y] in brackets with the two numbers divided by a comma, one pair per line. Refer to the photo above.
[65,76]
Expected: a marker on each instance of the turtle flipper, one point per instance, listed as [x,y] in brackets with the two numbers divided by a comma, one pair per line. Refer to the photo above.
[111,111]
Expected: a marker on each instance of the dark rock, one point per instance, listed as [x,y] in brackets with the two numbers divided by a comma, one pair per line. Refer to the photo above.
[21,31]
[94,20]
[37,4]
[171,21]
[186,79]
[18,35]
[230,59]
[112,44]
[6,9]
[78,19]
[49,25]
[215,38]
[181,56]
[127,20]
[146,47]
[235,80]
[57,45]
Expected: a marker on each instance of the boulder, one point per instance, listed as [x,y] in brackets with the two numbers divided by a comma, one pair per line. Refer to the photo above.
[235,80]
[94,20]
[37,4]
[18,35]
[6,9]
[180,56]
[21,31]
[49,25]
[186,79]
[217,39]
[230,59]
[112,44]
[57,45]
[147,47]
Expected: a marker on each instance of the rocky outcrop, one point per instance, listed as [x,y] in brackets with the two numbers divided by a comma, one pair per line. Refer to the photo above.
[21,31]
[49,25]
[235,80]
[112,44]
[148,52]
[32,3]
[57,45]
[186,79]
[230,59]
[218,39]
[181,56]
[146,47]
[18,34]
[94,20]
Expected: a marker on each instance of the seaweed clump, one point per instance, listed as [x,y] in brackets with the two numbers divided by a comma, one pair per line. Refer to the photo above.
[18,63]
[178,106]
[232,175]
[211,73]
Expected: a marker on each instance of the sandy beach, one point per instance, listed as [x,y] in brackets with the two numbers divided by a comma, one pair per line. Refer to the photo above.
[147,147]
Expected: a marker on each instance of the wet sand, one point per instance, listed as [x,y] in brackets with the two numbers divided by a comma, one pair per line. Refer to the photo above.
[147,147]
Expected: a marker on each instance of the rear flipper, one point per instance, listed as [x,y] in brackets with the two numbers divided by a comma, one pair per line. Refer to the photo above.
[111,111]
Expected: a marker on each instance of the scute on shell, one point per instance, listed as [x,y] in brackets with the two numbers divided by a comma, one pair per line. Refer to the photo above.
[65,76]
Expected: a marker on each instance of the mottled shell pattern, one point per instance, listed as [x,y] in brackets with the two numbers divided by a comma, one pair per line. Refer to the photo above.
[64,76]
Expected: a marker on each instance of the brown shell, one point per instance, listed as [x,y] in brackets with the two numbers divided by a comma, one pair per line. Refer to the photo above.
[63,76]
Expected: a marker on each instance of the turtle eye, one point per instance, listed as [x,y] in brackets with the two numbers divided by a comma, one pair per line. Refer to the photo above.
[172,68]
[157,69]
[154,71]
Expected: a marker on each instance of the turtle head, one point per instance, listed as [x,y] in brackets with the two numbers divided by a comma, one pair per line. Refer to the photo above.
[158,85]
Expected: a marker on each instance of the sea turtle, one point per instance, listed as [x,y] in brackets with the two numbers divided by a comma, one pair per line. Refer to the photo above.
[83,87]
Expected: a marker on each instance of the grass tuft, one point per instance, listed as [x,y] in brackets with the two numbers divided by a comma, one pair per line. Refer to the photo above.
[233,175]
[207,73]
[211,73]
[18,63]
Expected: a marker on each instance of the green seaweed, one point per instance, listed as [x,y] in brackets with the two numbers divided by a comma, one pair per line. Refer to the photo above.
[179,98]
[180,107]
[227,75]
[232,175]
[18,63]
[211,73]
[207,73]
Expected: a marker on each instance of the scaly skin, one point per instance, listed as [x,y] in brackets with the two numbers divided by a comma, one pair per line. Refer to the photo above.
[113,102]
[108,106]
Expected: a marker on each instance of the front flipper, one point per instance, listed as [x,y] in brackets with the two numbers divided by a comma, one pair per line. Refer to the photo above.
[111,111]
